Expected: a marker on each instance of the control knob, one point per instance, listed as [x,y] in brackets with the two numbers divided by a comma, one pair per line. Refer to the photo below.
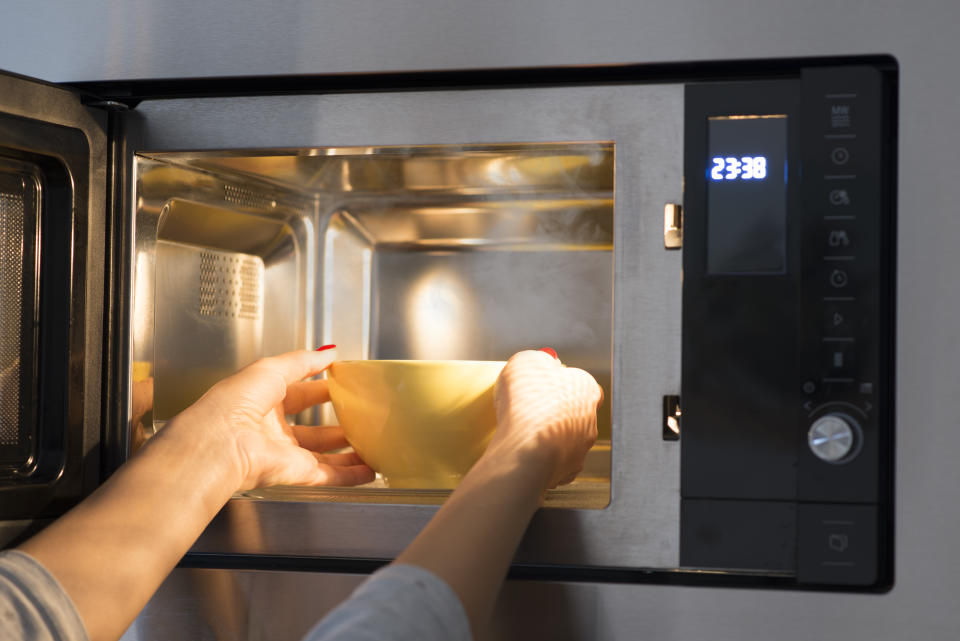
[834,438]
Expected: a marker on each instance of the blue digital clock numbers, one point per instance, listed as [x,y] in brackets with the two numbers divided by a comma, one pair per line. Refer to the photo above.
[742,168]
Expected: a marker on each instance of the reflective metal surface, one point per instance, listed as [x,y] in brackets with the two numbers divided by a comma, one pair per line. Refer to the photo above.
[226,605]
[454,250]
[431,253]
[672,226]
[221,278]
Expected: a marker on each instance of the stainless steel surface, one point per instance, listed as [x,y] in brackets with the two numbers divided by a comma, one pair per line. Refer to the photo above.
[209,320]
[506,245]
[283,606]
[15,531]
[149,39]
[834,438]
[470,253]
[672,226]
[221,278]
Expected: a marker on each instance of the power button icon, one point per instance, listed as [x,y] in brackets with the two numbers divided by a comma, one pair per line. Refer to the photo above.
[839,279]
[840,155]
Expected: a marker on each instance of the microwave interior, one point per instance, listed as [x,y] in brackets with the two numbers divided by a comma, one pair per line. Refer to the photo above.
[437,252]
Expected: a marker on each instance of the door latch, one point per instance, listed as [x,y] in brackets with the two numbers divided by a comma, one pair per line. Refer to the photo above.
[672,226]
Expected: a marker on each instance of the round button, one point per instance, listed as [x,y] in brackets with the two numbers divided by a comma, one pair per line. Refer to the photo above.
[834,438]
[839,279]
[840,155]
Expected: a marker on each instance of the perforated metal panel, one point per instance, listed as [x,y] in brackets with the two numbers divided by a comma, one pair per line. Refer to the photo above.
[11,309]
[246,198]
[230,285]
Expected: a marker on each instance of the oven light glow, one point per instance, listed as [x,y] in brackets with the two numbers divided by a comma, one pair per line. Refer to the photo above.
[742,168]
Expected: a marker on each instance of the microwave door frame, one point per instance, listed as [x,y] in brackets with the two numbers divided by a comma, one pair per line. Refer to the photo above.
[250,532]
[48,129]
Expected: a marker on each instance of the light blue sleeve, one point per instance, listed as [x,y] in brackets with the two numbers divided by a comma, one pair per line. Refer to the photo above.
[397,602]
[33,605]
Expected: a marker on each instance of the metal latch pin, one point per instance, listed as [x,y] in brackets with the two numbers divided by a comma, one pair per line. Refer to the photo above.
[672,226]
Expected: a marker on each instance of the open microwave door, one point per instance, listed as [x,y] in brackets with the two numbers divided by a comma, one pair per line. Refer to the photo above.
[53,154]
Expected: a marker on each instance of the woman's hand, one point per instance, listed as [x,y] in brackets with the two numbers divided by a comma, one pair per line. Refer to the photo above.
[546,412]
[112,550]
[248,410]
[546,422]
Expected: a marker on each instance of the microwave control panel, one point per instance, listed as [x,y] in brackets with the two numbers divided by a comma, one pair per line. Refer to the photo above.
[788,309]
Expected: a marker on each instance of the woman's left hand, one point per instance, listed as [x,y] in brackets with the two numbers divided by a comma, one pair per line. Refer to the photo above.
[248,412]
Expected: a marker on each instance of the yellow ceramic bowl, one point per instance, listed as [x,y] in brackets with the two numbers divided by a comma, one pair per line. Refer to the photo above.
[420,424]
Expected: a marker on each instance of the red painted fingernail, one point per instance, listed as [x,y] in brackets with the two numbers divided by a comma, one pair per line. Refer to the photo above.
[324,348]
[551,351]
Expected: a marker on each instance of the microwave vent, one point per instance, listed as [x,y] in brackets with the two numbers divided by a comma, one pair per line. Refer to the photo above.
[11,303]
[247,198]
[231,285]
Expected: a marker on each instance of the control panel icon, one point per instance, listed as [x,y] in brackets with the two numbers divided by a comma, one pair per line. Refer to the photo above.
[840,156]
[838,542]
[839,279]
[839,197]
[840,116]
[838,238]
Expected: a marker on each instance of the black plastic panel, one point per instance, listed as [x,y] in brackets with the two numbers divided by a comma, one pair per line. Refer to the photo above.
[739,330]
[766,355]
[838,544]
[843,275]
[51,480]
[741,535]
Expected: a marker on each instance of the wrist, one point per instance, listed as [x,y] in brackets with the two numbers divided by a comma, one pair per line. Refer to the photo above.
[204,447]
[523,459]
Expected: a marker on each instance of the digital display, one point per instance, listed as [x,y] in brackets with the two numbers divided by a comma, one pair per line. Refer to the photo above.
[743,168]
[746,194]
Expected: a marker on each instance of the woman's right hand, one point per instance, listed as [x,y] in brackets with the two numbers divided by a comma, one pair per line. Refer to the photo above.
[547,413]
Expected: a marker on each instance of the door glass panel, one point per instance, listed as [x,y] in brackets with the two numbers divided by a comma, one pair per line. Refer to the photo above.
[19,249]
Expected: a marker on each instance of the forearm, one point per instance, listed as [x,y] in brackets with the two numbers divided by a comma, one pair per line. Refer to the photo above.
[111,552]
[473,537]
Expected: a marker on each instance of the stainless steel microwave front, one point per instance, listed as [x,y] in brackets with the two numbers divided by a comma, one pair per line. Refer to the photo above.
[493,220]
[472,223]
[716,247]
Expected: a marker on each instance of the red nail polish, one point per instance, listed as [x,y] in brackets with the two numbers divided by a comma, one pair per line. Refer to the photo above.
[324,348]
[551,351]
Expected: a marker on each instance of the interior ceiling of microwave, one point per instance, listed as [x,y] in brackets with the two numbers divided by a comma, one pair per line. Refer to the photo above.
[499,168]
[532,195]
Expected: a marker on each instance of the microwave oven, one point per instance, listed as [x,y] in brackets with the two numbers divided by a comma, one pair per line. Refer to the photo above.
[714,243]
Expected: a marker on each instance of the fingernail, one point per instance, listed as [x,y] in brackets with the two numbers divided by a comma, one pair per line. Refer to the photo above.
[551,351]
[324,348]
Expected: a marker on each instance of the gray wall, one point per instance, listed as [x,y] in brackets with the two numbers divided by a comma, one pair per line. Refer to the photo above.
[92,40]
